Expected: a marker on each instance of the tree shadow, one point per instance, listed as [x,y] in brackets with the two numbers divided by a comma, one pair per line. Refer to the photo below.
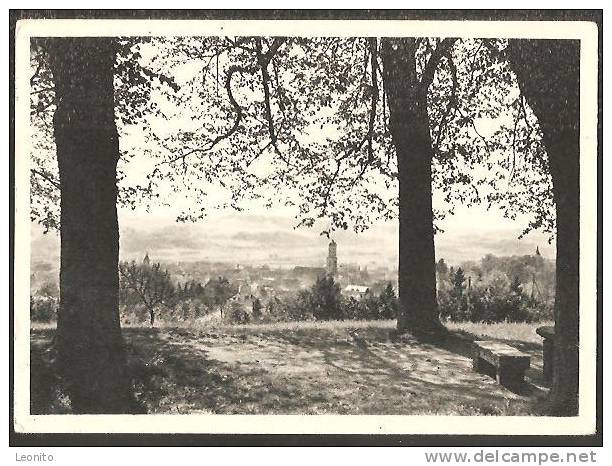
[432,376]
[178,375]
[461,342]
[306,371]
[443,372]
[45,385]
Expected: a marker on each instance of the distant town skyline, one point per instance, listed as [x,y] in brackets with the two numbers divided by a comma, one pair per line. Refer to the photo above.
[243,237]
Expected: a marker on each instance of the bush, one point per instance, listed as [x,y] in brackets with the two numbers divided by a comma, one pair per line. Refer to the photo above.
[387,304]
[493,298]
[257,314]
[497,293]
[237,314]
[289,308]
[323,301]
[355,309]
[187,309]
[43,308]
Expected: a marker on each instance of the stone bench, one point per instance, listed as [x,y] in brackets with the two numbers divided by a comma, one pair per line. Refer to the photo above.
[547,332]
[505,363]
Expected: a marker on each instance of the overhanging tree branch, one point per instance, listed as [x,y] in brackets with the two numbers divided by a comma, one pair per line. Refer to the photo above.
[46,177]
[441,50]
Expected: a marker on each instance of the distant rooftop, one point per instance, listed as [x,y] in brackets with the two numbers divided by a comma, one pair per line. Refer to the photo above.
[356,288]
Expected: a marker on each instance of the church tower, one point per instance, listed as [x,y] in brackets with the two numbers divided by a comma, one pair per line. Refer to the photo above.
[332,260]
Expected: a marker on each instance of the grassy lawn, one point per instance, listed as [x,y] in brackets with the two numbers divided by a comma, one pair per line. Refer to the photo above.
[307,368]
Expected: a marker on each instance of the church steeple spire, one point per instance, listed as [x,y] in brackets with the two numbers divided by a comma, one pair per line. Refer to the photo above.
[332,259]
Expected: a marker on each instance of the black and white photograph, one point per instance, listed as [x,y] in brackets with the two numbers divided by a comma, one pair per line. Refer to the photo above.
[284,226]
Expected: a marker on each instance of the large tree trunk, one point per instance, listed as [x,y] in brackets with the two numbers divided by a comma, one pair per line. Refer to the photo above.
[91,356]
[409,125]
[548,73]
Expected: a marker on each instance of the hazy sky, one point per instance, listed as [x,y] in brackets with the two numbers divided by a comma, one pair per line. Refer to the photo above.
[268,237]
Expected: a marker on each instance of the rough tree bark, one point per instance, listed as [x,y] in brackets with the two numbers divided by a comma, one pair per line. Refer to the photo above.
[409,126]
[91,356]
[548,73]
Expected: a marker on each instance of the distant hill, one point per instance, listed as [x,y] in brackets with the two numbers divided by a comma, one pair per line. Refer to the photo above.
[272,240]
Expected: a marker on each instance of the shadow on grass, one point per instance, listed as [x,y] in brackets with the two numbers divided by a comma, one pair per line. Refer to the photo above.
[45,387]
[409,377]
[461,342]
[305,371]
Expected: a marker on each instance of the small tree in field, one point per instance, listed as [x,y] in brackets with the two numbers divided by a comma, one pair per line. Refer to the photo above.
[217,292]
[459,281]
[326,300]
[152,286]
[387,302]
[516,286]
[257,307]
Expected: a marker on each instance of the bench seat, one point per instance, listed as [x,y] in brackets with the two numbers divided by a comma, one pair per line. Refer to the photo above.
[508,363]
